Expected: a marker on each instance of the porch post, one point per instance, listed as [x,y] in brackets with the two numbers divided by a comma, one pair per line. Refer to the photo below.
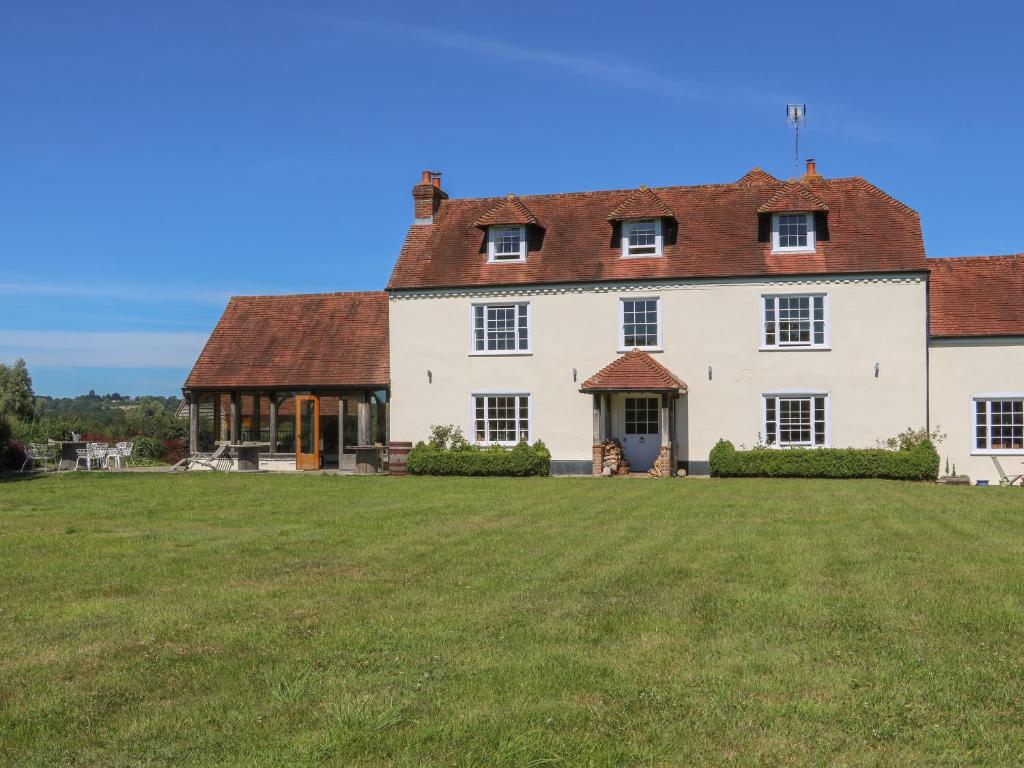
[193,423]
[341,428]
[364,418]
[664,463]
[256,417]
[598,418]
[665,438]
[217,426]
[273,422]
[236,426]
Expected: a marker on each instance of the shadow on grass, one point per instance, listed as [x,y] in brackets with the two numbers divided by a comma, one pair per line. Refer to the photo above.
[15,477]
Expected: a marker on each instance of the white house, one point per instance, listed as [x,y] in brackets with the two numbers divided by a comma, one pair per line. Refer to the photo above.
[788,313]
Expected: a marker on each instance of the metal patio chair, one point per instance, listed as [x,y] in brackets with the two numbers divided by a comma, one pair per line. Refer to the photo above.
[92,453]
[37,454]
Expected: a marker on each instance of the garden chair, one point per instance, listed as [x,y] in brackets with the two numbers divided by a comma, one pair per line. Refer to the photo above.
[92,453]
[216,461]
[1004,478]
[125,449]
[119,452]
[37,453]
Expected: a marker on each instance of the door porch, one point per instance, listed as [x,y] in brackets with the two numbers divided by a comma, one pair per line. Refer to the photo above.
[634,416]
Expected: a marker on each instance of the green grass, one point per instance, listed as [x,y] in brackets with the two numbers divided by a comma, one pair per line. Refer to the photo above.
[155,620]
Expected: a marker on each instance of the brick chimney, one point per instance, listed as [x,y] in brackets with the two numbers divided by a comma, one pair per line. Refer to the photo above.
[812,169]
[427,196]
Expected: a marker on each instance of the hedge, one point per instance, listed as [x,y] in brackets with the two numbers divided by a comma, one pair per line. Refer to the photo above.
[918,463]
[521,461]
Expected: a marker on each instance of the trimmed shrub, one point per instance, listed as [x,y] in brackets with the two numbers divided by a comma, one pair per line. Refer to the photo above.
[920,462]
[147,448]
[472,461]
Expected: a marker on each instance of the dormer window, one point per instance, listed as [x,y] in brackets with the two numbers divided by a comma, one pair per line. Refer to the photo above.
[641,238]
[506,243]
[792,232]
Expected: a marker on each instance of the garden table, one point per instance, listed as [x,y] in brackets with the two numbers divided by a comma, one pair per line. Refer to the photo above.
[247,455]
[69,453]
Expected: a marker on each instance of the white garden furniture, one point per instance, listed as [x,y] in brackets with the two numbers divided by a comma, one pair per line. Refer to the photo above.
[122,451]
[93,453]
[36,453]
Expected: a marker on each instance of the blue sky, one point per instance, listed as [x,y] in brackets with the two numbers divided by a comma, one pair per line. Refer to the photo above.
[156,158]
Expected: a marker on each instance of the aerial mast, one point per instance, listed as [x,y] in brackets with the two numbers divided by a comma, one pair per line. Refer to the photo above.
[796,114]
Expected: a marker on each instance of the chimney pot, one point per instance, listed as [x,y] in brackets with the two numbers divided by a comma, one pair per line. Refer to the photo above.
[812,169]
[427,197]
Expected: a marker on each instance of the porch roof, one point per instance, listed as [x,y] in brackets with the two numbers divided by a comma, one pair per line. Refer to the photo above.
[635,371]
[297,342]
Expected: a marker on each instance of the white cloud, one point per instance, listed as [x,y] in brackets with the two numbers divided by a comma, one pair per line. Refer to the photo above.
[111,349]
[178,294]
[609,72]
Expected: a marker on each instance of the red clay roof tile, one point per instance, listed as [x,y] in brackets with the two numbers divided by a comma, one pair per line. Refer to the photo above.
[509,211]
[977,296]
[634,371]
[716,236]
[641,203]
[793,196]
[295,342]
[756,176]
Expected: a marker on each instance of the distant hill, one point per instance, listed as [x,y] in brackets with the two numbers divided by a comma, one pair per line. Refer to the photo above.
[104,410]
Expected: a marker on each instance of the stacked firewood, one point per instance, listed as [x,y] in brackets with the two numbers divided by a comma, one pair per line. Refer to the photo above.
[614,461]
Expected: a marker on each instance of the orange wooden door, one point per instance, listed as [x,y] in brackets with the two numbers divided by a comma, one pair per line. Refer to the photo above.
[307,432]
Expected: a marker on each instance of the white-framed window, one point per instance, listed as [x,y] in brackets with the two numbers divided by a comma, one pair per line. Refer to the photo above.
[506,243]
[795,420]
[793,232]
[502,419]
[791,321]
[642,415]
[500,329]
[641,238]
[999,424]
[640,324]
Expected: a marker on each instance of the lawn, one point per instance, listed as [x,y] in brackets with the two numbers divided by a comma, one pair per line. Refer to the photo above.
[156,620]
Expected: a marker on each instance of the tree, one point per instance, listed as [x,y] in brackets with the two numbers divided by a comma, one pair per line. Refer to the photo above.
[16,397]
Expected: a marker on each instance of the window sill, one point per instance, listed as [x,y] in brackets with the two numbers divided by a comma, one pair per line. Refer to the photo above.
[506,261]
[1009,452]
[624,350]
[825,348]
[503,353]
[780,251]
[632,256]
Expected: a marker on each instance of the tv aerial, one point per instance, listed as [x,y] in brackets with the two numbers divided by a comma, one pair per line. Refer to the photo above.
[796,114]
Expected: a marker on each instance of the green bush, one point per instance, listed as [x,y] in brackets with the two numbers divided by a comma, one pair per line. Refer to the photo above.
[147,448]
[920,462]
[469,460]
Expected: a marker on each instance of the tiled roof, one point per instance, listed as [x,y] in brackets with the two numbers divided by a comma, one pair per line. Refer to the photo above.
[977,296]
[508,211]
[715,235]
[634,371]
[312,340]
[793,196]
[756,176]
[641,203]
